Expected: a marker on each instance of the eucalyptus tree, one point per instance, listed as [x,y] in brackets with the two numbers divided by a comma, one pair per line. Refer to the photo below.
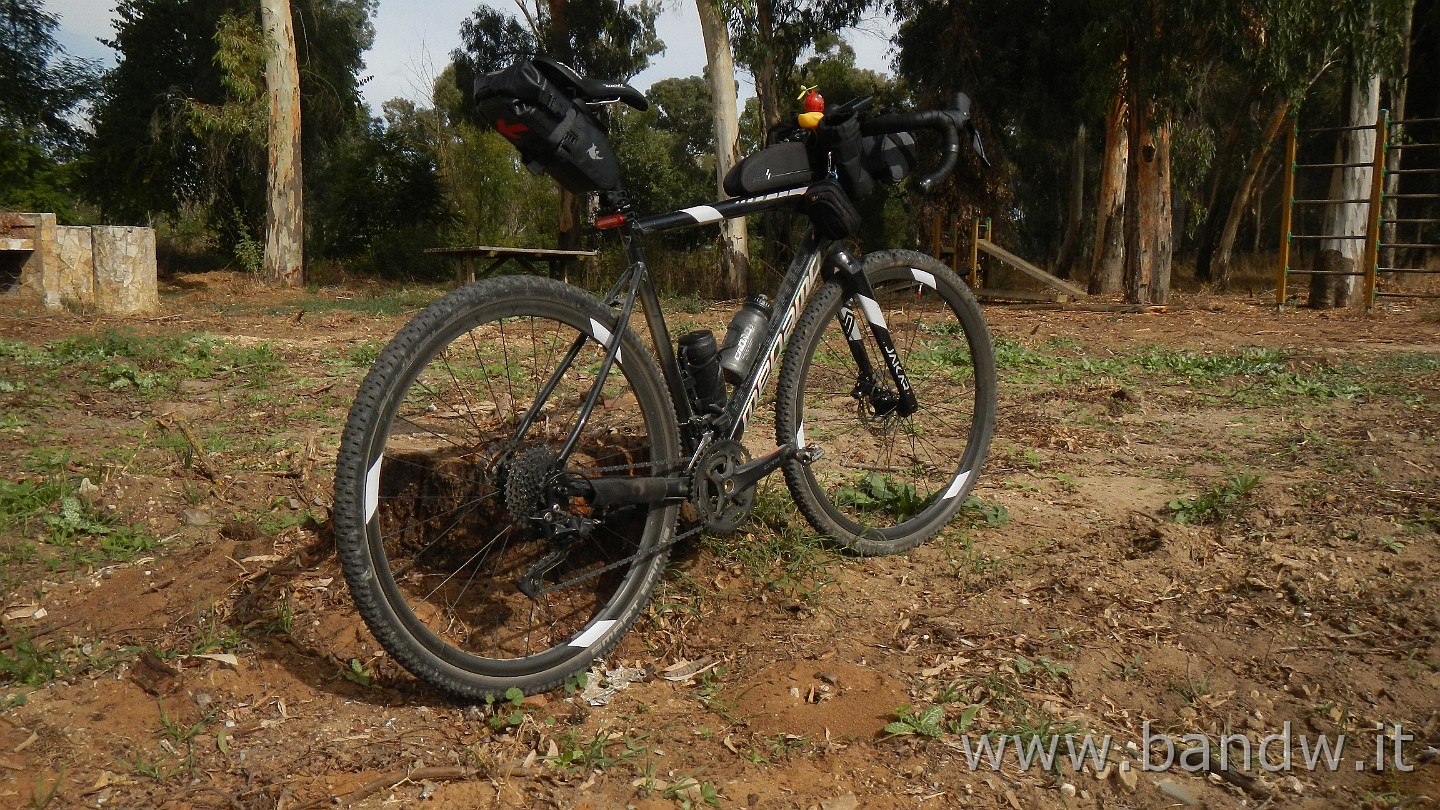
[720,73]
[180,127]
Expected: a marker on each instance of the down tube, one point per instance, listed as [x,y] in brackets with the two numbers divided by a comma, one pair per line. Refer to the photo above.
[802,278]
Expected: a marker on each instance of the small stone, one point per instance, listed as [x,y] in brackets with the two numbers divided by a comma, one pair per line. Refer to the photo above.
[795,692]
[1068,789]
[828,677]
[195,517]
[846,802]
[1296,786]
[1178,792]
[1127,777]
[86,489]
[293,503]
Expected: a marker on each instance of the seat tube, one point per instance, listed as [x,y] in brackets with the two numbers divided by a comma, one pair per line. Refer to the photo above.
[852,271]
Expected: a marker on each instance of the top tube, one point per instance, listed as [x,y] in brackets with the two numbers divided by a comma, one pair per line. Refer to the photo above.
[717,211]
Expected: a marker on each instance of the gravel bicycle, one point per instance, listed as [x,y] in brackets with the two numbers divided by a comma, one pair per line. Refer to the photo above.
[518,463]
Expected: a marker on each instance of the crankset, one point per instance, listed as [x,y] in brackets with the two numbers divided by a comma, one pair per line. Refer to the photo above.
[722,502]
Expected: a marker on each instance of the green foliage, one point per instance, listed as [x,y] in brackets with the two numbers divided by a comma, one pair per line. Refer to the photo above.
[42,91]
[993,515]
[384,201]
[358,673]
[1218,504]
[874,492]
[924,724]
[176,127]
[27,663]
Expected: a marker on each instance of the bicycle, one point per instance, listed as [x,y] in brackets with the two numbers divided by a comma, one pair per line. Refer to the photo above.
[518,464]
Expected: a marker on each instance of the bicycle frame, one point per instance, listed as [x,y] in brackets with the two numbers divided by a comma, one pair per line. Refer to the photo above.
[816,260]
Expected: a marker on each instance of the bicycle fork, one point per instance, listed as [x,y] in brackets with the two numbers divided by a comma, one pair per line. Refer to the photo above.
[867,387]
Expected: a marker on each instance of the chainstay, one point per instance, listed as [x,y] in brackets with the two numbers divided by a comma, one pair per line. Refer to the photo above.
[636,557]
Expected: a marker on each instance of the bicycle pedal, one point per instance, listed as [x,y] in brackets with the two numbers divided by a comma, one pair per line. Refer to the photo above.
[809,455]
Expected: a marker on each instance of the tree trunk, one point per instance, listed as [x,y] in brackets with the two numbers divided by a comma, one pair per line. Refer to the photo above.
[1148,221]
[284,210]
[1362,108]
[1397,88]
[734,239]
[568,226]
[1075,219]
[1216,199]
[1107,259]
[1224,264]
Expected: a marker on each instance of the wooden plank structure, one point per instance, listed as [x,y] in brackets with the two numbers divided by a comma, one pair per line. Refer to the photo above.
[527,258]
[945,246]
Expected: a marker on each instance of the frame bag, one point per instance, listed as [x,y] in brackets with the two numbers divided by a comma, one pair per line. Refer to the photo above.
[554,133]
[784,165]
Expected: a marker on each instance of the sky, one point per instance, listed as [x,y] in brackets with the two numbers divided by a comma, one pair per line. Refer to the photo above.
[414,38]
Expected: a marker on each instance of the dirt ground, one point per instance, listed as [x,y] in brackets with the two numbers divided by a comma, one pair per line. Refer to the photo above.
[1216,520]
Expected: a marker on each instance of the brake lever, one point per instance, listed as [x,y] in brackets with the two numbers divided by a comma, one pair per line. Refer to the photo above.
[976,144]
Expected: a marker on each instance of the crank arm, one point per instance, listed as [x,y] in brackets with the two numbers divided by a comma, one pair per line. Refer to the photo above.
[748,475]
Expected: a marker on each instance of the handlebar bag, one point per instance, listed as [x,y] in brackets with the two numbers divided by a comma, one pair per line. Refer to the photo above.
[830,208]
[784,165]
[889,158]
[555,133]
[836,147]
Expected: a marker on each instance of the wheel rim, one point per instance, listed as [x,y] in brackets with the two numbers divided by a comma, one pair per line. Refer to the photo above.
[448,552]
[883,474]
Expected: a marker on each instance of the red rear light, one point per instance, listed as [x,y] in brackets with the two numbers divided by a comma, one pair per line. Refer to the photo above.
[609,221]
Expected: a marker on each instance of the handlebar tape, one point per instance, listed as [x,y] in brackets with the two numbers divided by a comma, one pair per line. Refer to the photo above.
[947,122]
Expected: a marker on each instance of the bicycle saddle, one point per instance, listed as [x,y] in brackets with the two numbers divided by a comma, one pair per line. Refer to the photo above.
[590,90]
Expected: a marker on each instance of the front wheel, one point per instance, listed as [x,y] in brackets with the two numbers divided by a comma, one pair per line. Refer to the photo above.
[441,488]
[883,482]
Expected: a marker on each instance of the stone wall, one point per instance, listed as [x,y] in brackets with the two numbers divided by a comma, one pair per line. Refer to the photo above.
[102,268]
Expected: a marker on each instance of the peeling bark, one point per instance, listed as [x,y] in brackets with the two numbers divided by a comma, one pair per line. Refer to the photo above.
[284,210]
[734,238]
[1108,257]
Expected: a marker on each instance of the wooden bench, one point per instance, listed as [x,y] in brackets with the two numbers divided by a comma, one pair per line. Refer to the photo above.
[527,258]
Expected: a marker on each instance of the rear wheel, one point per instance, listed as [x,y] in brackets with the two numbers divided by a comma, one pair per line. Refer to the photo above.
[438,490]
[885,483]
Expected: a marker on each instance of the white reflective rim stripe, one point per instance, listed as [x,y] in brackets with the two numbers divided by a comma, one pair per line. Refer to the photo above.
[956,486]
[800,436]
[872,311]
[372,490]
[928,279]
[592,635]
[602,335]
[703,213]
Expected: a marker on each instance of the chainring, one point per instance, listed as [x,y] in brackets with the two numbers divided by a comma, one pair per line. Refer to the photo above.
[721,507]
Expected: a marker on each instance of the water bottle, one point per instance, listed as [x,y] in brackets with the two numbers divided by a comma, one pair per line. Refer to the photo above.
[743,338]
[700,363]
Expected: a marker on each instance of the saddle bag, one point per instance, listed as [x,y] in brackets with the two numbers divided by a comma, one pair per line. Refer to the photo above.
[554,133]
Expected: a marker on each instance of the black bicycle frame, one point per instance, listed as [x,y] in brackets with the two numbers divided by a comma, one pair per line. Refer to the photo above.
[816,260]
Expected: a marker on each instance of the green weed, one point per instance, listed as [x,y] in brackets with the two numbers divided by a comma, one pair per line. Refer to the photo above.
[874,492]
[924,724]
[27,663]
[1219,503]
[356,672]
